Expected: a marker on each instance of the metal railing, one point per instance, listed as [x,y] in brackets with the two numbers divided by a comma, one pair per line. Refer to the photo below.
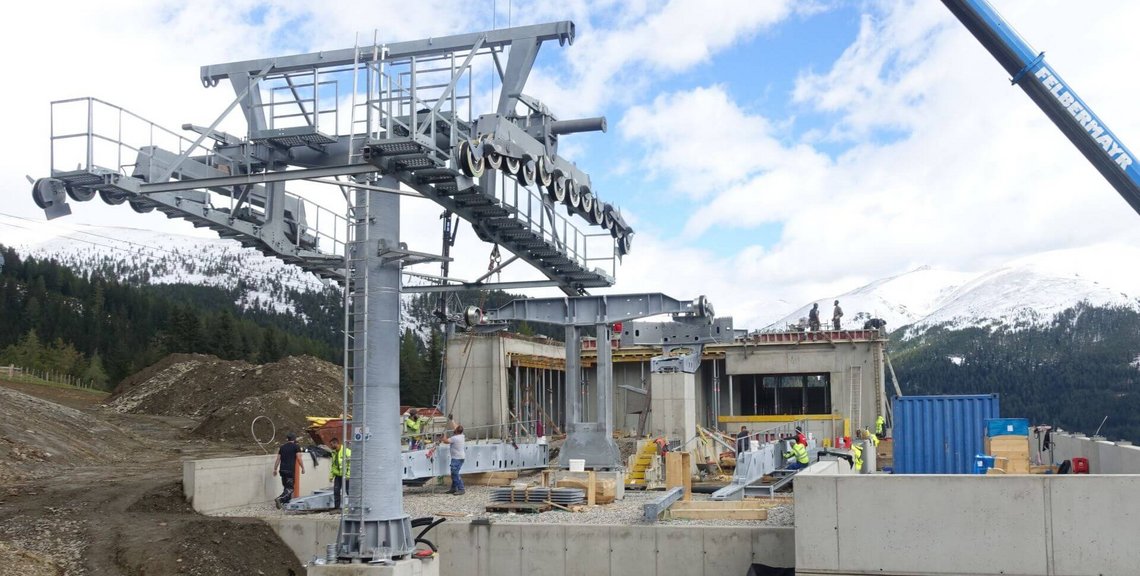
[96,137]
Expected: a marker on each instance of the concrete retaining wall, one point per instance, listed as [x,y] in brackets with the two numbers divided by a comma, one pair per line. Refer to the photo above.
[218,484]
[944,524]
[1104,457]
[502,549]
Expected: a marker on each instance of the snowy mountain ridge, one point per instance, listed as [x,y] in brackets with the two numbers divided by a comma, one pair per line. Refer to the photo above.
[1026,292]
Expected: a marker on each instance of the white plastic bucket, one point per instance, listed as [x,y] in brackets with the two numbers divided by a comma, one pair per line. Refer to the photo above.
[577,465]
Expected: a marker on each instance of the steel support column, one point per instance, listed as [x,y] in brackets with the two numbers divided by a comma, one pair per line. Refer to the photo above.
[380,521]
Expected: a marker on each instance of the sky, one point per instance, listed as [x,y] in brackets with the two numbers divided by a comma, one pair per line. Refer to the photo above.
[768,153]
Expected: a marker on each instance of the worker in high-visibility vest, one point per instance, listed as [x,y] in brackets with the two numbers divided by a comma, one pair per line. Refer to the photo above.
[412,426]
[872,437]
[799,451]
[880,427]
[857,454]
[339,470]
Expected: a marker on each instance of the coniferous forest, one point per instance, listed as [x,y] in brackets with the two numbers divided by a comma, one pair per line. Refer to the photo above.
[1072,373]
[100,329]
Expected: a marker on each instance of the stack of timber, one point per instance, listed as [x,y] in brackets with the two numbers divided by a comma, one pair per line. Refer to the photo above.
[1007,440]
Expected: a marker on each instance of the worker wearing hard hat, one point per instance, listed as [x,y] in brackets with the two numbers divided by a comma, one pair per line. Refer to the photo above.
[799,453]
[866,434]
[880,427]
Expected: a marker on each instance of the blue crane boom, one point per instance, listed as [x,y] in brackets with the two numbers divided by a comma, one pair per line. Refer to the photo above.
[1053,95]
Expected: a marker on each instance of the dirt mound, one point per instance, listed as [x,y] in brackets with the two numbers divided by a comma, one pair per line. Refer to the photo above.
[167,498]
[210,547]
[150,371]
[227,395]
[38,436]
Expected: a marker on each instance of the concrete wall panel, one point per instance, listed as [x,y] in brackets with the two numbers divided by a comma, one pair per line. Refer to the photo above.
[571,549]
[679,551]
[1095,522]
[505,549]
[774,547]
[633,549]
[543,550]
[300,535]
[817,522]
[726,551]
[984,525]
[587,550]
[460,545]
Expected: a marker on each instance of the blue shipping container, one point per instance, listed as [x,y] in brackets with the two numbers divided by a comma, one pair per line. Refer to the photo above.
[940,434]
[1007,427]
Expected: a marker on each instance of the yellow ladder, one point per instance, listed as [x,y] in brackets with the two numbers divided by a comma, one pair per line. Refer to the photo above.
[642,461]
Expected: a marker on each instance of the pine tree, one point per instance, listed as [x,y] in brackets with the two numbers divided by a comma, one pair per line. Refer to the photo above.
[95,373]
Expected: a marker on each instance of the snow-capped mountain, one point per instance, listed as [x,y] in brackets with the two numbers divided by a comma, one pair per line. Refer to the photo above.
[148,257]
[140,256]
[1025,292]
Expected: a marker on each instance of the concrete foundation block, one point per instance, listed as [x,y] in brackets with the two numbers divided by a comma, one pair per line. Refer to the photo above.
[428,567]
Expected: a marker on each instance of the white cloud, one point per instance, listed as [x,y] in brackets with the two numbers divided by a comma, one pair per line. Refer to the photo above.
[616,60]
[976,177]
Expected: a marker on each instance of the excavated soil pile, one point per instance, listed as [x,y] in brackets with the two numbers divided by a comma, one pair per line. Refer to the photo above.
[226,395]
[37,437]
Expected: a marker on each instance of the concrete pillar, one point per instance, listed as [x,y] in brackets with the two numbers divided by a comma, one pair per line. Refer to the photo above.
[674,405]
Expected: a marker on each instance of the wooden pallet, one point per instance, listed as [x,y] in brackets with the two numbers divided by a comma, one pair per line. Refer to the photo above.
[519,507]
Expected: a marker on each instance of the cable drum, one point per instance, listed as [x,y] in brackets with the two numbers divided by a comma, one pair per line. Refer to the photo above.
[272,432]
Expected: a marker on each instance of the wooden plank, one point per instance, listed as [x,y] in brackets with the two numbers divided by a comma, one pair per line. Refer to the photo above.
[518,507]
[591,489]
[687,470]
[502,478]
[749,504]
[717,514]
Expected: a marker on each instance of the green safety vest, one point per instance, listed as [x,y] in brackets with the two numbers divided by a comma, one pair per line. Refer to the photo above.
[412,425]
[880,422]
[799,451]
[857,452]
[340,465]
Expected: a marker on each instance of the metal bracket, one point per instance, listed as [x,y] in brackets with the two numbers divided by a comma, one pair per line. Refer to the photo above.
[406,257]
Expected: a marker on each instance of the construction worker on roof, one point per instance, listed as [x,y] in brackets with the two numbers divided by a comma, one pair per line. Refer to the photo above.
[799,452]
[880,426]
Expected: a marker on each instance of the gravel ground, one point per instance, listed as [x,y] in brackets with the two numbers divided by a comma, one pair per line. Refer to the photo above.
[433,500]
